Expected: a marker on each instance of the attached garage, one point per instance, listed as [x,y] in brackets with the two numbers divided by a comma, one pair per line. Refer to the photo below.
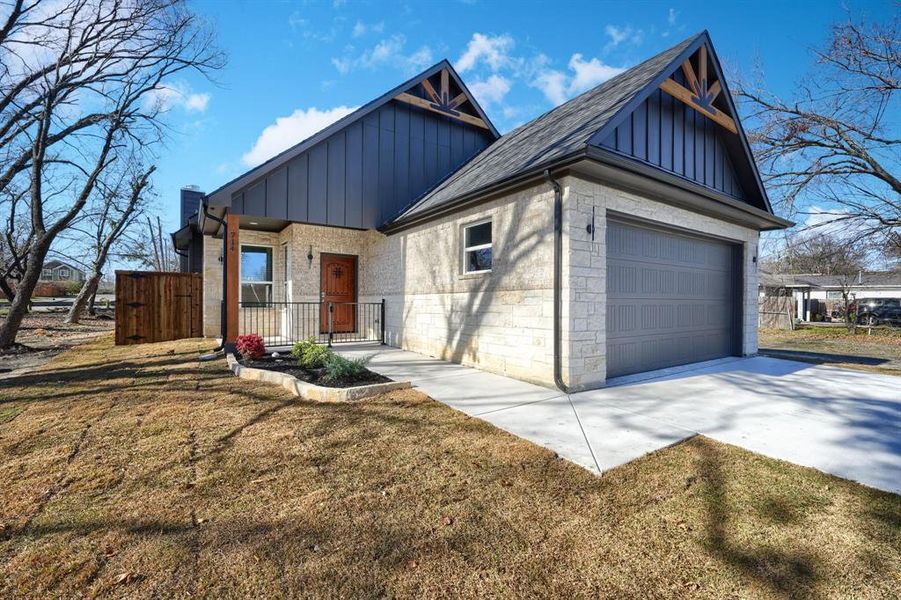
[673,298]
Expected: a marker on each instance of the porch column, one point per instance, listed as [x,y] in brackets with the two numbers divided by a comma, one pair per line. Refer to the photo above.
[232,274]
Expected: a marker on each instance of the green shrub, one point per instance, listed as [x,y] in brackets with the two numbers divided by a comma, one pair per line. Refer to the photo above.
[339,368]
[311,355]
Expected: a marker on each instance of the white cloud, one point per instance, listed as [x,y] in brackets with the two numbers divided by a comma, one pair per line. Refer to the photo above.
[490,91]
[290,130]
[671,16]
[179,94]
[197,102]
[558,86]
[360,28]
[620,35]
[389,51]
[589,73]
[553,84]
[492,50]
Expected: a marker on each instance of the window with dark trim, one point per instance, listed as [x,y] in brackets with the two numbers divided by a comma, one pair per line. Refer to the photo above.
[256,275]
[477,248]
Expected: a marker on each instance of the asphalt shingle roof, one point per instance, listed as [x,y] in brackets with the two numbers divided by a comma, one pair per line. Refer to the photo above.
[555,134]
[866,278]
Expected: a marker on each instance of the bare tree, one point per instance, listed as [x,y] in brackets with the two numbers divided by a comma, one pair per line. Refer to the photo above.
[149,246]
[842,258]
[80,85]
[118,208]
[834,148]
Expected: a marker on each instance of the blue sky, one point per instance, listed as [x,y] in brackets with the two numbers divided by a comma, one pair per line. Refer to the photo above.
[295,66]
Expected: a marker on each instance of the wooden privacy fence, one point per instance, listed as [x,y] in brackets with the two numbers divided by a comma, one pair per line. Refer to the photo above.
[776,312]
[157,307]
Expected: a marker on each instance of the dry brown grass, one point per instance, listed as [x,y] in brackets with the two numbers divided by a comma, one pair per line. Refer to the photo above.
[139,471]
[879,351]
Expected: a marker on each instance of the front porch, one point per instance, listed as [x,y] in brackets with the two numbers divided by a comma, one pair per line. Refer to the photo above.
[288,281]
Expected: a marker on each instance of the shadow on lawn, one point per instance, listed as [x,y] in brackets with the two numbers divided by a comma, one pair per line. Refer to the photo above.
[782,570]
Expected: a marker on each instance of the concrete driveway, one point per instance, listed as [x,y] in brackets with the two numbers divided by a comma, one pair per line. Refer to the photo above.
[844,422]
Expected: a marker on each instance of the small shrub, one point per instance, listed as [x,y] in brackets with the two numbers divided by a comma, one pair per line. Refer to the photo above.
[311,355]
[250,346]
[339,368]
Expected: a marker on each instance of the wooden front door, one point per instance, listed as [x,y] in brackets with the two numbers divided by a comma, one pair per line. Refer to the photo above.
[338,284]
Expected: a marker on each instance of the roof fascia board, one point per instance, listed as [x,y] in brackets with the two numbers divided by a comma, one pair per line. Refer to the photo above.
[222,195]
[702,39]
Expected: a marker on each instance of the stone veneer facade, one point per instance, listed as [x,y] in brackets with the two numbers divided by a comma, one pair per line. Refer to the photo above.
[499,321]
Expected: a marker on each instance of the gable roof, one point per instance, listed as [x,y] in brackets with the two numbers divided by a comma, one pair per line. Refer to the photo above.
[568,131]
[222,195]
[55,264]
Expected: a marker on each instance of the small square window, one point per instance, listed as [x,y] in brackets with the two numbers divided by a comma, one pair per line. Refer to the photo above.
[477,250]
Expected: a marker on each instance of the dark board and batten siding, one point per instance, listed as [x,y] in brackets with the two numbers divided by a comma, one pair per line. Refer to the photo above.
[366,173]
[664,132]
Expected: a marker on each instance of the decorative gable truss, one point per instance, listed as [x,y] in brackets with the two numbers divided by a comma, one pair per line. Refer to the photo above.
[442,94]
[701,94]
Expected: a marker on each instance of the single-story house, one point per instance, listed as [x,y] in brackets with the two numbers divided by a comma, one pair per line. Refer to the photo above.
[61,272]
[815,294]
[614,234]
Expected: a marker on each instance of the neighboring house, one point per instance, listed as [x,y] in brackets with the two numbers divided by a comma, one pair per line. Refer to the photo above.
[58,271]
[814,294]
[616,233]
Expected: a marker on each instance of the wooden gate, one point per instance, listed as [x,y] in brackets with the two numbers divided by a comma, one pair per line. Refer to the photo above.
[157,307]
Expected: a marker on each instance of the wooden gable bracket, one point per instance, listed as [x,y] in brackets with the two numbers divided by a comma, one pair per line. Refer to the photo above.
[441,103]
[701,95]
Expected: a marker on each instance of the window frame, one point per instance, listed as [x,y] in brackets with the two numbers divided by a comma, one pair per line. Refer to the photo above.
[465,250]
[65,273]
[270,282]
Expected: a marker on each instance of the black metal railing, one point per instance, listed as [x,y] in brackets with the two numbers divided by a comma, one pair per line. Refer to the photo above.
[284,323]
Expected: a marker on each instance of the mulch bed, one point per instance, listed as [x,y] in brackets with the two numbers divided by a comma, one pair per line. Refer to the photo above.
[288,365]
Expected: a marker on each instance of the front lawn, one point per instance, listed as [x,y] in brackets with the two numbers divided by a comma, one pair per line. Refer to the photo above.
[139,471]
[877,350]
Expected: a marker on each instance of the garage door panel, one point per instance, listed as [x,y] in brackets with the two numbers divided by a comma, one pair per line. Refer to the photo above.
[670,299]
[652,316]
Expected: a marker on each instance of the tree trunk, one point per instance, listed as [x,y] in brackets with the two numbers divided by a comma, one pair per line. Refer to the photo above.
[19,306]
[7,289]
[91,309]
[87,291]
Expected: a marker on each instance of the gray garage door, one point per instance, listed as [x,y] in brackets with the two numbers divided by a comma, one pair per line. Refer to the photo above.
[670,299]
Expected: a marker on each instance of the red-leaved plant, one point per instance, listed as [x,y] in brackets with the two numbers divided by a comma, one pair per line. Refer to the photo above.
[250,346]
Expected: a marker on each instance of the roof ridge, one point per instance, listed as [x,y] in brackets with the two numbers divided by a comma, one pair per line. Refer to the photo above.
[547,127]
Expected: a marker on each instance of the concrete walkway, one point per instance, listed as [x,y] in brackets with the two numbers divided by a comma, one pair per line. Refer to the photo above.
[840,421]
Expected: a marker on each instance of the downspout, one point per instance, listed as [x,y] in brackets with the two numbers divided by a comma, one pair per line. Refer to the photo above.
[558,279]
[222,306]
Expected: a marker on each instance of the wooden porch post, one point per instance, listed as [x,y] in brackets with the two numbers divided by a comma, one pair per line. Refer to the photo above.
[232,275]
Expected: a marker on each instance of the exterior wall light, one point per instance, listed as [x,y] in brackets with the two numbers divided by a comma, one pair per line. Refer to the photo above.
[310,256]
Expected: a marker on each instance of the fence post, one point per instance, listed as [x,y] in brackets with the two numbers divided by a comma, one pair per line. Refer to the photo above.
[382,321]
[331,310]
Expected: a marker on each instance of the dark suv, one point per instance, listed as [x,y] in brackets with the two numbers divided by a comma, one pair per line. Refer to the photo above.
[875,311]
